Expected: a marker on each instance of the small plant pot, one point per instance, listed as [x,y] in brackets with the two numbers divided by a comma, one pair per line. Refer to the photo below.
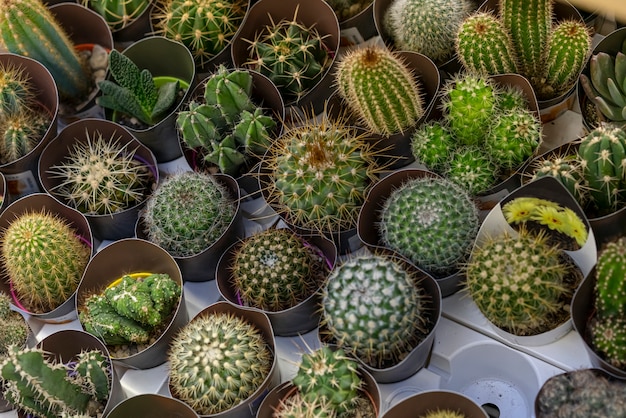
[131,256]
[422,403]
[359,27]
[113,226]
[148,405]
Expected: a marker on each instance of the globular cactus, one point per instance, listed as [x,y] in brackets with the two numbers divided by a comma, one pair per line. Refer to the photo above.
[20,133]
[513,138]
[608,339]
[432,222]
[432,144]
[275,269]
[567,170]
[380,331]
[16,90]
[217,361]
[472,169]
[78,388]
[44,259]
[187,213]
[294,406]
[425,26]
[101,176]
[206,27]
[118,13]
[443,413]
[14,329]
[520,283]
[28,28]
[610,286]
[380,89]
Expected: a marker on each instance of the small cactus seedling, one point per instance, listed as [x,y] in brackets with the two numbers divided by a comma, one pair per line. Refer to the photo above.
[13,327]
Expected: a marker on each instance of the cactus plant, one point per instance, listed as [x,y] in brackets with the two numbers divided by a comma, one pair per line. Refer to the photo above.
[16,91]
[100,176]
[14,329]
[118,13]
[472,169]
[567,170]
[187,213]
[442,413]
[346,9]
[44,259]
[21,132]
[380,331]
[380,89]
[79,387]
[608,339]
[206,27]
[432,222]
[610,286]
[217,361]
[432,144]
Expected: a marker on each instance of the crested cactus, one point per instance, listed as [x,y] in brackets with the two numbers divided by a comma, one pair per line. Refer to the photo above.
[380,89]
[79,387]
[432,144]
[187,213]
[118,13]
[44,259]
[430,221]
[100,176]
[20,133]
[217,361]
[380,331]
[14,329]
[274,270]
[472,169]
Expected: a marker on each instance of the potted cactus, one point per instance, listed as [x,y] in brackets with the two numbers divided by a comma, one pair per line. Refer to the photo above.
[437,404]
[15,332]
[147,405]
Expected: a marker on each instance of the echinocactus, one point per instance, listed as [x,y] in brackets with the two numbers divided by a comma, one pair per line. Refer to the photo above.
[374,308]
[13,326]
[44,259]
[380,89]
[16,91]
[187,213]
[217,361]
[118,13]
[432,222]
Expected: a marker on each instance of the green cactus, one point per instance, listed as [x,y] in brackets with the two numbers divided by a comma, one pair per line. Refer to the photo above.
[20,133]
[432,144]
[608,338]
[566,169]
[275,269]
[294,406]
[472,169]
[442,413]
[79,387]
[610,286]
[118,13]
[16,90]
[430,221]
[28,28]
[187,213]
[99,176]
[380,331]
[520,283]
[217,361]
[44,259]
[513,138]
[346,9]
[14,329]
[510,97]
[425,26]
[380,89]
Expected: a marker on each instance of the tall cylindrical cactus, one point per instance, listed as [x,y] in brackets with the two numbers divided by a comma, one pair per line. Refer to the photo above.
[610,284]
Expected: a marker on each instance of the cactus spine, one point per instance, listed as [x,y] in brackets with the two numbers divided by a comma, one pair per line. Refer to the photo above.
[16,91]
[472,169]
[431,144]
[118,13]
[513,138]
[13,327]
[567,170]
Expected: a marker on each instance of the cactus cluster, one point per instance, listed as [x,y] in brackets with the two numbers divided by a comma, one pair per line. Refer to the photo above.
[432,222]
[523,39]
[14,329]
[380,89]
[100,176]
[379,330]
[225,126]
[44,259]
[275,269]
[118,13]
[187,213]
[217,361]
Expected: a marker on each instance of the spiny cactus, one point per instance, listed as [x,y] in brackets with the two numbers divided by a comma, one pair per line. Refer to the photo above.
[432,222]
[44,259]
[206,27]
[16,90]
[443,413]
[513,138]
[21,132]
[100,176]
[432,144]
[380,331]
[608,339]
[472,169]
[187,213]
[217,361]
[79,387]
[118,13]
[346,9]
[294,406]
[14,329]
[567,170]
[380,89]
[274,270]
[610,286]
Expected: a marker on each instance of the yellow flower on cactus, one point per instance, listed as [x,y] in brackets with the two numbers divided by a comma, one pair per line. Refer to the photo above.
[518,210]
[550,216]
[575,227]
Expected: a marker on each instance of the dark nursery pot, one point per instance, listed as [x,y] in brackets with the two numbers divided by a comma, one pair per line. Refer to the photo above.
[135,256]
[422,403]
[148,405]
[359,27]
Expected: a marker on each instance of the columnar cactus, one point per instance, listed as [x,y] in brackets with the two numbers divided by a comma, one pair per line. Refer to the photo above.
[380,89]
[118,13]
[432,222]
[44,259]
[513,138]
[378,330]
[217,361]
[13,326]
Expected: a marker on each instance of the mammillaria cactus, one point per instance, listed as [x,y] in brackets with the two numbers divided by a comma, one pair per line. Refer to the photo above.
[513,138]
[432,222]
[217,361]
[472,169]
[118,13]
[567,170]
[431,144]
[380,89]
[608,339]
[13,326]
[44,259]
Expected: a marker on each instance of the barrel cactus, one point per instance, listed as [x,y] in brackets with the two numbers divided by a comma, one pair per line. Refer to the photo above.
[608,339]
[432,222]
[16,90]
[118,13]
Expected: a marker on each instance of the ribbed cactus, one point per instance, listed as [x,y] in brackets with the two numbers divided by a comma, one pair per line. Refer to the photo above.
[21,132]
[567,170]
[101,176]
[513,138]
[118,13]
[294,406]
[217,361]
[28,28]
[187,213]
[425,26]
[44,259]
[379,330]
[608,339]
[206,27]
[432,144]
[80,387]
[430,221]
[380,89]
[14,329]
[610,272]
[472,169]
[275,269]
[16,90]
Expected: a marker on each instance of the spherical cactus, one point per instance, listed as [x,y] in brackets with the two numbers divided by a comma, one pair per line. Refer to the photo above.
[567,170]
[510,97]
[472,169]
[373,307]
[44,259]
[187,213]
[20,133]
[13,327]
[610,284]
[432,144]
[513,138]
[294,406]
[443,413]
[16,90]
[608,338]
[118,13]
[432,222]
[217,361]
[380,89]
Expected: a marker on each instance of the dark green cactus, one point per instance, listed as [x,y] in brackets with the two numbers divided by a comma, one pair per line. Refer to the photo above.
[432,144]
[610,284]
[118,13]
[472,169]
[608,339]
